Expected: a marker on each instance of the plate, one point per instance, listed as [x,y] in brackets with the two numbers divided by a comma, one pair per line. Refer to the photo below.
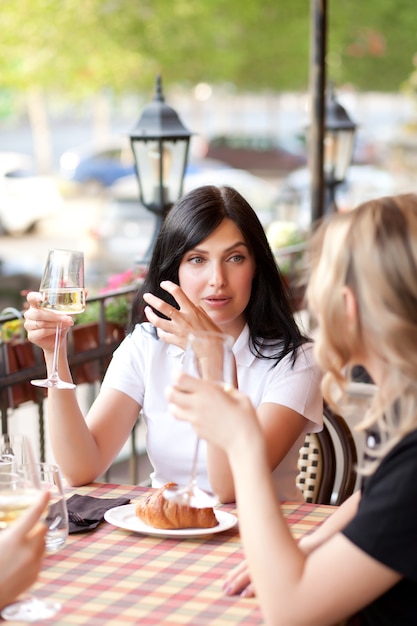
[124,517]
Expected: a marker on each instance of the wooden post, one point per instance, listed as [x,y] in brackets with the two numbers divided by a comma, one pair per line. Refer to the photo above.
[318,38]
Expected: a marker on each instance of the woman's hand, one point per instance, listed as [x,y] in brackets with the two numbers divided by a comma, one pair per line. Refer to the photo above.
[188,318]
[22,547]
[223,418]
[238,581]
[40,324]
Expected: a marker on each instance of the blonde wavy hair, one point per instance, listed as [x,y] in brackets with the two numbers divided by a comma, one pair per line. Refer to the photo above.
[373,251]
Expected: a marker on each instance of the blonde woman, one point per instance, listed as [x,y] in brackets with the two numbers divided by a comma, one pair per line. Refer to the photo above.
[361,565]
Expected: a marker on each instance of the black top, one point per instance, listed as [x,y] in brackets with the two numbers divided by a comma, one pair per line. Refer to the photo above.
[385,527]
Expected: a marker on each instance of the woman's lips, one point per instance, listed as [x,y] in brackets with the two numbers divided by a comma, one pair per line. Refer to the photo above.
[217,301]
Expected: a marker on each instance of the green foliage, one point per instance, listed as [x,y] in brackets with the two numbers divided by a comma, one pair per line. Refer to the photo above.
[122,44]
[117,311]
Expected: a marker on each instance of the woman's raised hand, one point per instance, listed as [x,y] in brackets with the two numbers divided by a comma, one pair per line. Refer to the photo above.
[40,324]
[183,321]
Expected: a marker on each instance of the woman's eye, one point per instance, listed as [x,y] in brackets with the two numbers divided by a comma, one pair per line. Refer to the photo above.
[195,259]
[237,258]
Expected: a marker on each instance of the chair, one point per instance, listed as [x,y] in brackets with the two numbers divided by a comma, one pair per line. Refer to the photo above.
[323,457]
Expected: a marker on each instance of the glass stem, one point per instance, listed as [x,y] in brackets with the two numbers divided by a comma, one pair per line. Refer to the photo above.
[54,374]
[194,465]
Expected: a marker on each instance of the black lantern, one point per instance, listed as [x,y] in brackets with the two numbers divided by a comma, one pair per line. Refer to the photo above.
[160,146]
[339,135]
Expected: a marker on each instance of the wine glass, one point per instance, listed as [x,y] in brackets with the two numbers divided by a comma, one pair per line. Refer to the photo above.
[62,289]
[18,447]
[17,493]
[48,477]
[209,356]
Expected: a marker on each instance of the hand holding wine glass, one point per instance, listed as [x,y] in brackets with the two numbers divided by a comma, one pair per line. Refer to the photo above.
[209,356]
[18,494]
[62,289]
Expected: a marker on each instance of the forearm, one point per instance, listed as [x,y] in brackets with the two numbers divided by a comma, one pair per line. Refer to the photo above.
[73,445]
[275,561]
[220,474]
[333,524]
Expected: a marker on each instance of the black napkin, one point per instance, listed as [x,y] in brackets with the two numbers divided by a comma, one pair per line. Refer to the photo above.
[86,512]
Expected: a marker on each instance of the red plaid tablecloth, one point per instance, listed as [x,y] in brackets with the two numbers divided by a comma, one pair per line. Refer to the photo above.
[115,577]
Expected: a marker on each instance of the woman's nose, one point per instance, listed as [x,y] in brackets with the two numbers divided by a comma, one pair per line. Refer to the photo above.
[217,276]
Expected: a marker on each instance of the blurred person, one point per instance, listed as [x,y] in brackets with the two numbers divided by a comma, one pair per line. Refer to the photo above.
[360,566]
[211,269]
[22,548]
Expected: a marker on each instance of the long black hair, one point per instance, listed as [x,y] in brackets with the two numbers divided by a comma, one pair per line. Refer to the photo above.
[191,220]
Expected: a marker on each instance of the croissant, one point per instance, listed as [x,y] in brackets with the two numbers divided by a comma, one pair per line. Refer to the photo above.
[155,510]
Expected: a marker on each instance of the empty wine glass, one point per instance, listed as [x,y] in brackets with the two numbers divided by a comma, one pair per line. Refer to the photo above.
[18,447]
[48,476]
[209,356]
[62,289]
[17,493]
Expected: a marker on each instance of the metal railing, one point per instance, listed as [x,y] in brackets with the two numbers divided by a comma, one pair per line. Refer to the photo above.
[28,361]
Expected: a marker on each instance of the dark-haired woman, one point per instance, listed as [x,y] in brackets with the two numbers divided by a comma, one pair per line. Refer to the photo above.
[212,269]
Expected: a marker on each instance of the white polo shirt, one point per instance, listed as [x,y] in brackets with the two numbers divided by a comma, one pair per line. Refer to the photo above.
[143,366]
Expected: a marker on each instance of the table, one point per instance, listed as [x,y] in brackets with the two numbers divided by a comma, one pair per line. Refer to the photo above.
[114,577]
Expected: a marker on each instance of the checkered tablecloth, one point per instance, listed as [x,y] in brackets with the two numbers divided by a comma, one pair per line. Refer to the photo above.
[115,577]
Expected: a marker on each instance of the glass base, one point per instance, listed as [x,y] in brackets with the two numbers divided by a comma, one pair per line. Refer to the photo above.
[191,496]
[50,383]
[30,610]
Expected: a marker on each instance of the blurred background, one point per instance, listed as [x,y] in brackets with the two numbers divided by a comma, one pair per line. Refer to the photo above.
[75,77]
[73,82]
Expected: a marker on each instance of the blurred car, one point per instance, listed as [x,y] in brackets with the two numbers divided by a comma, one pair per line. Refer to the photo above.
[362,183]
[257,153]
[92,167]
[120,237]
[26,198]
[259,193]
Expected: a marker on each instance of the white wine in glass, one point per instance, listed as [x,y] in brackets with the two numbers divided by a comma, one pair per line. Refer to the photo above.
[62,289]
[18,493]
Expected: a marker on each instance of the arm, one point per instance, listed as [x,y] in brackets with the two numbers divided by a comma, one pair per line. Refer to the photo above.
[239,579]
[84,448]
[22,547]
[281,427]
[326,586]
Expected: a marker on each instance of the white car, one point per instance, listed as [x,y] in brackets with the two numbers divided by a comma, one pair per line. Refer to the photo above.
[25,197]
[259,193]
[362,183]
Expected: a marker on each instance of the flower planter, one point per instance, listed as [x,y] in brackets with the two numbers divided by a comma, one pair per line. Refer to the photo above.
[86,337]
[18,356]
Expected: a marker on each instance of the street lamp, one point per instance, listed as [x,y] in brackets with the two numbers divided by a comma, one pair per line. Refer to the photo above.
[339,135]
[159,144]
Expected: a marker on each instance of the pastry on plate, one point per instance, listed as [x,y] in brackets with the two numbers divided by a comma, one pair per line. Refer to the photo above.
[155,510]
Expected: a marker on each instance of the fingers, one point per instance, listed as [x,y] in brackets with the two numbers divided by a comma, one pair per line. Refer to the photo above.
[40,319]
[239,582]
[160,305]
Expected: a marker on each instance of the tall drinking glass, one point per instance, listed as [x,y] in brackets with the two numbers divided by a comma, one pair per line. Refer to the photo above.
[209,356]
[62,289]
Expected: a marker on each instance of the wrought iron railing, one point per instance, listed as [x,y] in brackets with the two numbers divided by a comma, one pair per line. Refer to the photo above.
[20,361]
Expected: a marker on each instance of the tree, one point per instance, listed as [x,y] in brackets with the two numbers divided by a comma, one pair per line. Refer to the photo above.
[123,44]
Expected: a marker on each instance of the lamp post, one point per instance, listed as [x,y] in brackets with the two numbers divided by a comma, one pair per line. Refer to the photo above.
[339,135]
[159,144]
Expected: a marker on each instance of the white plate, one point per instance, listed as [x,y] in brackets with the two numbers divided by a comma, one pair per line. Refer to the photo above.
[125,517]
